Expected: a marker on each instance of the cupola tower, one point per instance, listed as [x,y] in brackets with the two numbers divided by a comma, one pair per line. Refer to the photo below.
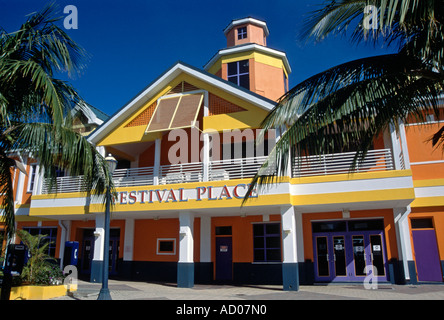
[248,62]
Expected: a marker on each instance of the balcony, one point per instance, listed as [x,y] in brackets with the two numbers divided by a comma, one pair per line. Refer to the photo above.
[339,163]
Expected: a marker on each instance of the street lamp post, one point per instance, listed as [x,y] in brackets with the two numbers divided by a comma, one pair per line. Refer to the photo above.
[104,291]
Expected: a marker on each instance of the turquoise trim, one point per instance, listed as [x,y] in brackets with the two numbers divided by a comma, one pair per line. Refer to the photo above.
[290,276]
[96,271]
[185,274]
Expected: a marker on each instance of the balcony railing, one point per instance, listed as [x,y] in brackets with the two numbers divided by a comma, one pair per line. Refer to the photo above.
[64,185]
[180,173]
[234,168]
[219,170]
[340,163]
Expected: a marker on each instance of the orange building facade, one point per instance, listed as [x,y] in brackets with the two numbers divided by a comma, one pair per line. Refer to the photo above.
[186,150]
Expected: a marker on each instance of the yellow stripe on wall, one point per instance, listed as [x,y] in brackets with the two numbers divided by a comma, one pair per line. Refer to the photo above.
[428,202]
[355,196]
[59,211]
[352,176]
[428,183]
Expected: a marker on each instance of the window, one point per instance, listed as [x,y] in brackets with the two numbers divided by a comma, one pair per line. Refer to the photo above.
[166,246]
[238,73]
[241,33]
[267,242]
[223,231]
[329,226]
[32,173]
[422,223]
[50,236]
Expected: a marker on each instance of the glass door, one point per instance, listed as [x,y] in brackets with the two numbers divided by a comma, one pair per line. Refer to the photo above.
[359,258]
[344,257]
[368,254]
[87,254]
[114,247]
[339,257]
[377,256]
[322,262]
[331,258]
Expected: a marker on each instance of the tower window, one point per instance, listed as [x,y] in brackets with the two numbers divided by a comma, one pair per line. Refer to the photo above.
[239,73]
[241,33]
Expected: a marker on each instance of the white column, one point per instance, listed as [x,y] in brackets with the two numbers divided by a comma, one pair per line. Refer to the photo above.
[20,187]
[299,236]
[65,227]
[396,147]
[402,229]
[156,170]
[128,240]
[206,156]
[99,234]
[205,239]
[290,267]
[186,245]
[99,243]
[206,142]
[185,267]
[404,147]
[289,235]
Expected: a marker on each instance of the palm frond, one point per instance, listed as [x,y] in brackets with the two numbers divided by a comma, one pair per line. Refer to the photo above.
[345,106]
[29,59]
[35,106]
[414,24]
[61,147]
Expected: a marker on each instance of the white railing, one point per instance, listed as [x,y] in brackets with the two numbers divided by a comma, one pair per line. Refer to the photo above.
[340,163]
[64,185]
[231,169]
[180,173]
[133,177]
[234,168]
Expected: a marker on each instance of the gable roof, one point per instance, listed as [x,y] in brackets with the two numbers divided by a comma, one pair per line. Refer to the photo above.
[92,114]
[148,92]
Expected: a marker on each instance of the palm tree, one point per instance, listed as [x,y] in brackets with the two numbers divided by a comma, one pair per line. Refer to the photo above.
[39,259]
[353,102]
[35,108]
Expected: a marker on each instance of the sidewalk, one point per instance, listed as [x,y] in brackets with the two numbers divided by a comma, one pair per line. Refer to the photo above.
[127,290]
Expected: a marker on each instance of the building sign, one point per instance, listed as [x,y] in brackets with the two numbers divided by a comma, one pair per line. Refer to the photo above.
[183,195]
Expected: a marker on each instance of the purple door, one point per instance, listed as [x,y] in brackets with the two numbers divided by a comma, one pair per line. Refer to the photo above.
[428,265]
[344,256]
[224,258]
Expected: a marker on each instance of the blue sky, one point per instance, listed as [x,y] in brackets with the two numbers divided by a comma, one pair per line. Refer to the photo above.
[132,42]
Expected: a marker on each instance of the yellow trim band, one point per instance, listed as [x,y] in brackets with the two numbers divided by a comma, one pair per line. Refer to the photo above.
[355,196]
[428,202]
[352,176]
[428,183]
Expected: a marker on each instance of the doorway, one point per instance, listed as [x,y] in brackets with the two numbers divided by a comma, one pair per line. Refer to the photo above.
[428,265]
[224,254]
[344,249]
[88,245]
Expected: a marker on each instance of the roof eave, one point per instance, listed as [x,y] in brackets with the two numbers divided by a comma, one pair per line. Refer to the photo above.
[152,89]
[248,47]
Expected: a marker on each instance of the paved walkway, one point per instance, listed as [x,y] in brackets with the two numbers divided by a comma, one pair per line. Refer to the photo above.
[126,290]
